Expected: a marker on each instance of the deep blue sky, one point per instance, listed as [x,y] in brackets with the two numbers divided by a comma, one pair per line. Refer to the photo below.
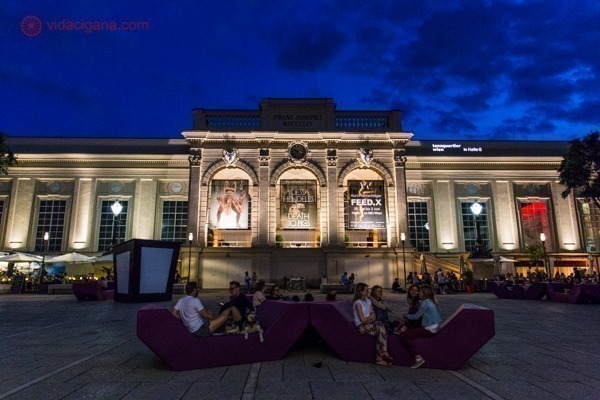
[526,70]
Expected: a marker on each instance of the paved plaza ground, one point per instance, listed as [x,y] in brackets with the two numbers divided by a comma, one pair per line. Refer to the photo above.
[54,347]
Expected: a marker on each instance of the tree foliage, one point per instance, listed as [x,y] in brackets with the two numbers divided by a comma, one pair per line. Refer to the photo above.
[7,158]
[579,168]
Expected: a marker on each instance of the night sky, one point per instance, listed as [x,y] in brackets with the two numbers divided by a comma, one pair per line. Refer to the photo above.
[510,70]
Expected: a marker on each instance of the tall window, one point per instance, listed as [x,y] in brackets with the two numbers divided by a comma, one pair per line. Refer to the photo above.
[418,225]
[590,214]
[535,220]
[470,222]
[174,221]
[51,219]
[105,232]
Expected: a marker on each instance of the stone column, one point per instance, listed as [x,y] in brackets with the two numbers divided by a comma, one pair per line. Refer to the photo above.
[263,198]
[401,207]
[332,202]
[194,197]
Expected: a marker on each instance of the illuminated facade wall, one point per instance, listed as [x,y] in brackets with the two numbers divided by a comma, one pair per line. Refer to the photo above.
[268,191]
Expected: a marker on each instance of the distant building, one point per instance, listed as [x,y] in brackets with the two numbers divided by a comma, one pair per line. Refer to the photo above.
[295,188]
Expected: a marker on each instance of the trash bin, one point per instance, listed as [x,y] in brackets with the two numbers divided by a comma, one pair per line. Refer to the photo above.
[323,280]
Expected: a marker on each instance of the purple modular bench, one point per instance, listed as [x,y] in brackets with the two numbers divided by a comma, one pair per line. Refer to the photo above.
[283,323]
[579,294]
[533,292]
[92,290]
[460,337]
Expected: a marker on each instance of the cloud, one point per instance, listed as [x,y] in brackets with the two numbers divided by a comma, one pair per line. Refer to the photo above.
[312,50]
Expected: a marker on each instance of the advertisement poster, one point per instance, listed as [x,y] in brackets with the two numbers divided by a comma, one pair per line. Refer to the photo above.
[298,208]
[229,204]
[366,200]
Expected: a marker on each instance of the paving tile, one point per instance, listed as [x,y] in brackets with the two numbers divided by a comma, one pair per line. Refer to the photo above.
[570,390]
[338,391]
[46,391]
[283,390]
[215,391]
[158,391]
[519,391]
[303,372]
[200,375]
[106,390]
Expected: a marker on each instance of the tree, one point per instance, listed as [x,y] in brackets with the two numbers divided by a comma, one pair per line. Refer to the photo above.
[579,168]
[7,158]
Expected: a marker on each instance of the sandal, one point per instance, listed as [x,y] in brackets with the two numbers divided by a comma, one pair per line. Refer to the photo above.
[383,363]
[386,357]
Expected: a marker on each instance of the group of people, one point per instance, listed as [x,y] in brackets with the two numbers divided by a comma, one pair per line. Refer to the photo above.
[537,275]
[371,317]
[371,314]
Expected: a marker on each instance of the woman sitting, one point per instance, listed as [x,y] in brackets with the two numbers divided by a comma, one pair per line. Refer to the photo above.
[381,308]
[366,323]
[259,295]
[429,310]
[413,306]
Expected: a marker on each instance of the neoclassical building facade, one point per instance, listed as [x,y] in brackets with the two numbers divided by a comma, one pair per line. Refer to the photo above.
[295,188]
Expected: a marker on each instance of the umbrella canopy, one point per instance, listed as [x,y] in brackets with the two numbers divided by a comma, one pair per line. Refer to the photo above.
[104,258]
[21,258]
[71,258]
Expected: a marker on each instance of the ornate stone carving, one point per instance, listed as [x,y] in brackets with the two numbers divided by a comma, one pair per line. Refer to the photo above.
[264,160]
[364,156]
[195,158]
[399,157]
[230,156]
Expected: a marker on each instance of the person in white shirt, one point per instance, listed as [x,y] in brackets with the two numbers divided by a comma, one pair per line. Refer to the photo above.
[193,315]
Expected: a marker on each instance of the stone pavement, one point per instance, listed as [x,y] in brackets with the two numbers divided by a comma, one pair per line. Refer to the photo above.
[53,347]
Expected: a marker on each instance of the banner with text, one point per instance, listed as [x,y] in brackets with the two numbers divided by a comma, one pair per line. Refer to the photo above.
[298,208]
[229,204]
[366,200]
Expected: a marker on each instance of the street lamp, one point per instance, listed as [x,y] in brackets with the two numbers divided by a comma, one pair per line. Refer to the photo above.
[46,242]
[403,239]
[543,240]
[476,209]
[190,239]
[116,208]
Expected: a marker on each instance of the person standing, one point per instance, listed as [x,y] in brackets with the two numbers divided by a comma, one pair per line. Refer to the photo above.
[248,281]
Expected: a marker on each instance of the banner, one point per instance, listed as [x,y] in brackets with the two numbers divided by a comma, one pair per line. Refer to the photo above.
[229,204]
[298,207]
[366,200]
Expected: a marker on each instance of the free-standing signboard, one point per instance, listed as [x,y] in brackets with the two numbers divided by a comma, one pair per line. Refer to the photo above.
[144,270]
[366,200]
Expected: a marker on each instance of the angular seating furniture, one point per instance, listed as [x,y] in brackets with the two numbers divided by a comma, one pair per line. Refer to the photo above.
[584,293]
[533,292]
[92,290]
[283,323]
[459,338]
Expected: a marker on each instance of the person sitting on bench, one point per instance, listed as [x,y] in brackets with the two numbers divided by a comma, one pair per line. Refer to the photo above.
[195,318]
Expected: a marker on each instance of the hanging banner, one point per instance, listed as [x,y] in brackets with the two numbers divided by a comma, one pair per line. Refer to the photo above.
[229,204]
[298,207]
[367,205]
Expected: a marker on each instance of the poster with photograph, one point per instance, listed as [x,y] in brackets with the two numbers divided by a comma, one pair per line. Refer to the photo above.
[298,207]
[366,201]
[229,204]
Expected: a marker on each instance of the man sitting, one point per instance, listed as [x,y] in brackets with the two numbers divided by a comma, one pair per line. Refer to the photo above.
[195,318]
[275,294]
[240,302]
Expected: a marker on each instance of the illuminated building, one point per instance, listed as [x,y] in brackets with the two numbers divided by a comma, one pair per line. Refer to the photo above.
[295,188]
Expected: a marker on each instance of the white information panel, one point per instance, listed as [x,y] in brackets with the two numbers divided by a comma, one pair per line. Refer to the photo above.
[154,269]
[123,273]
